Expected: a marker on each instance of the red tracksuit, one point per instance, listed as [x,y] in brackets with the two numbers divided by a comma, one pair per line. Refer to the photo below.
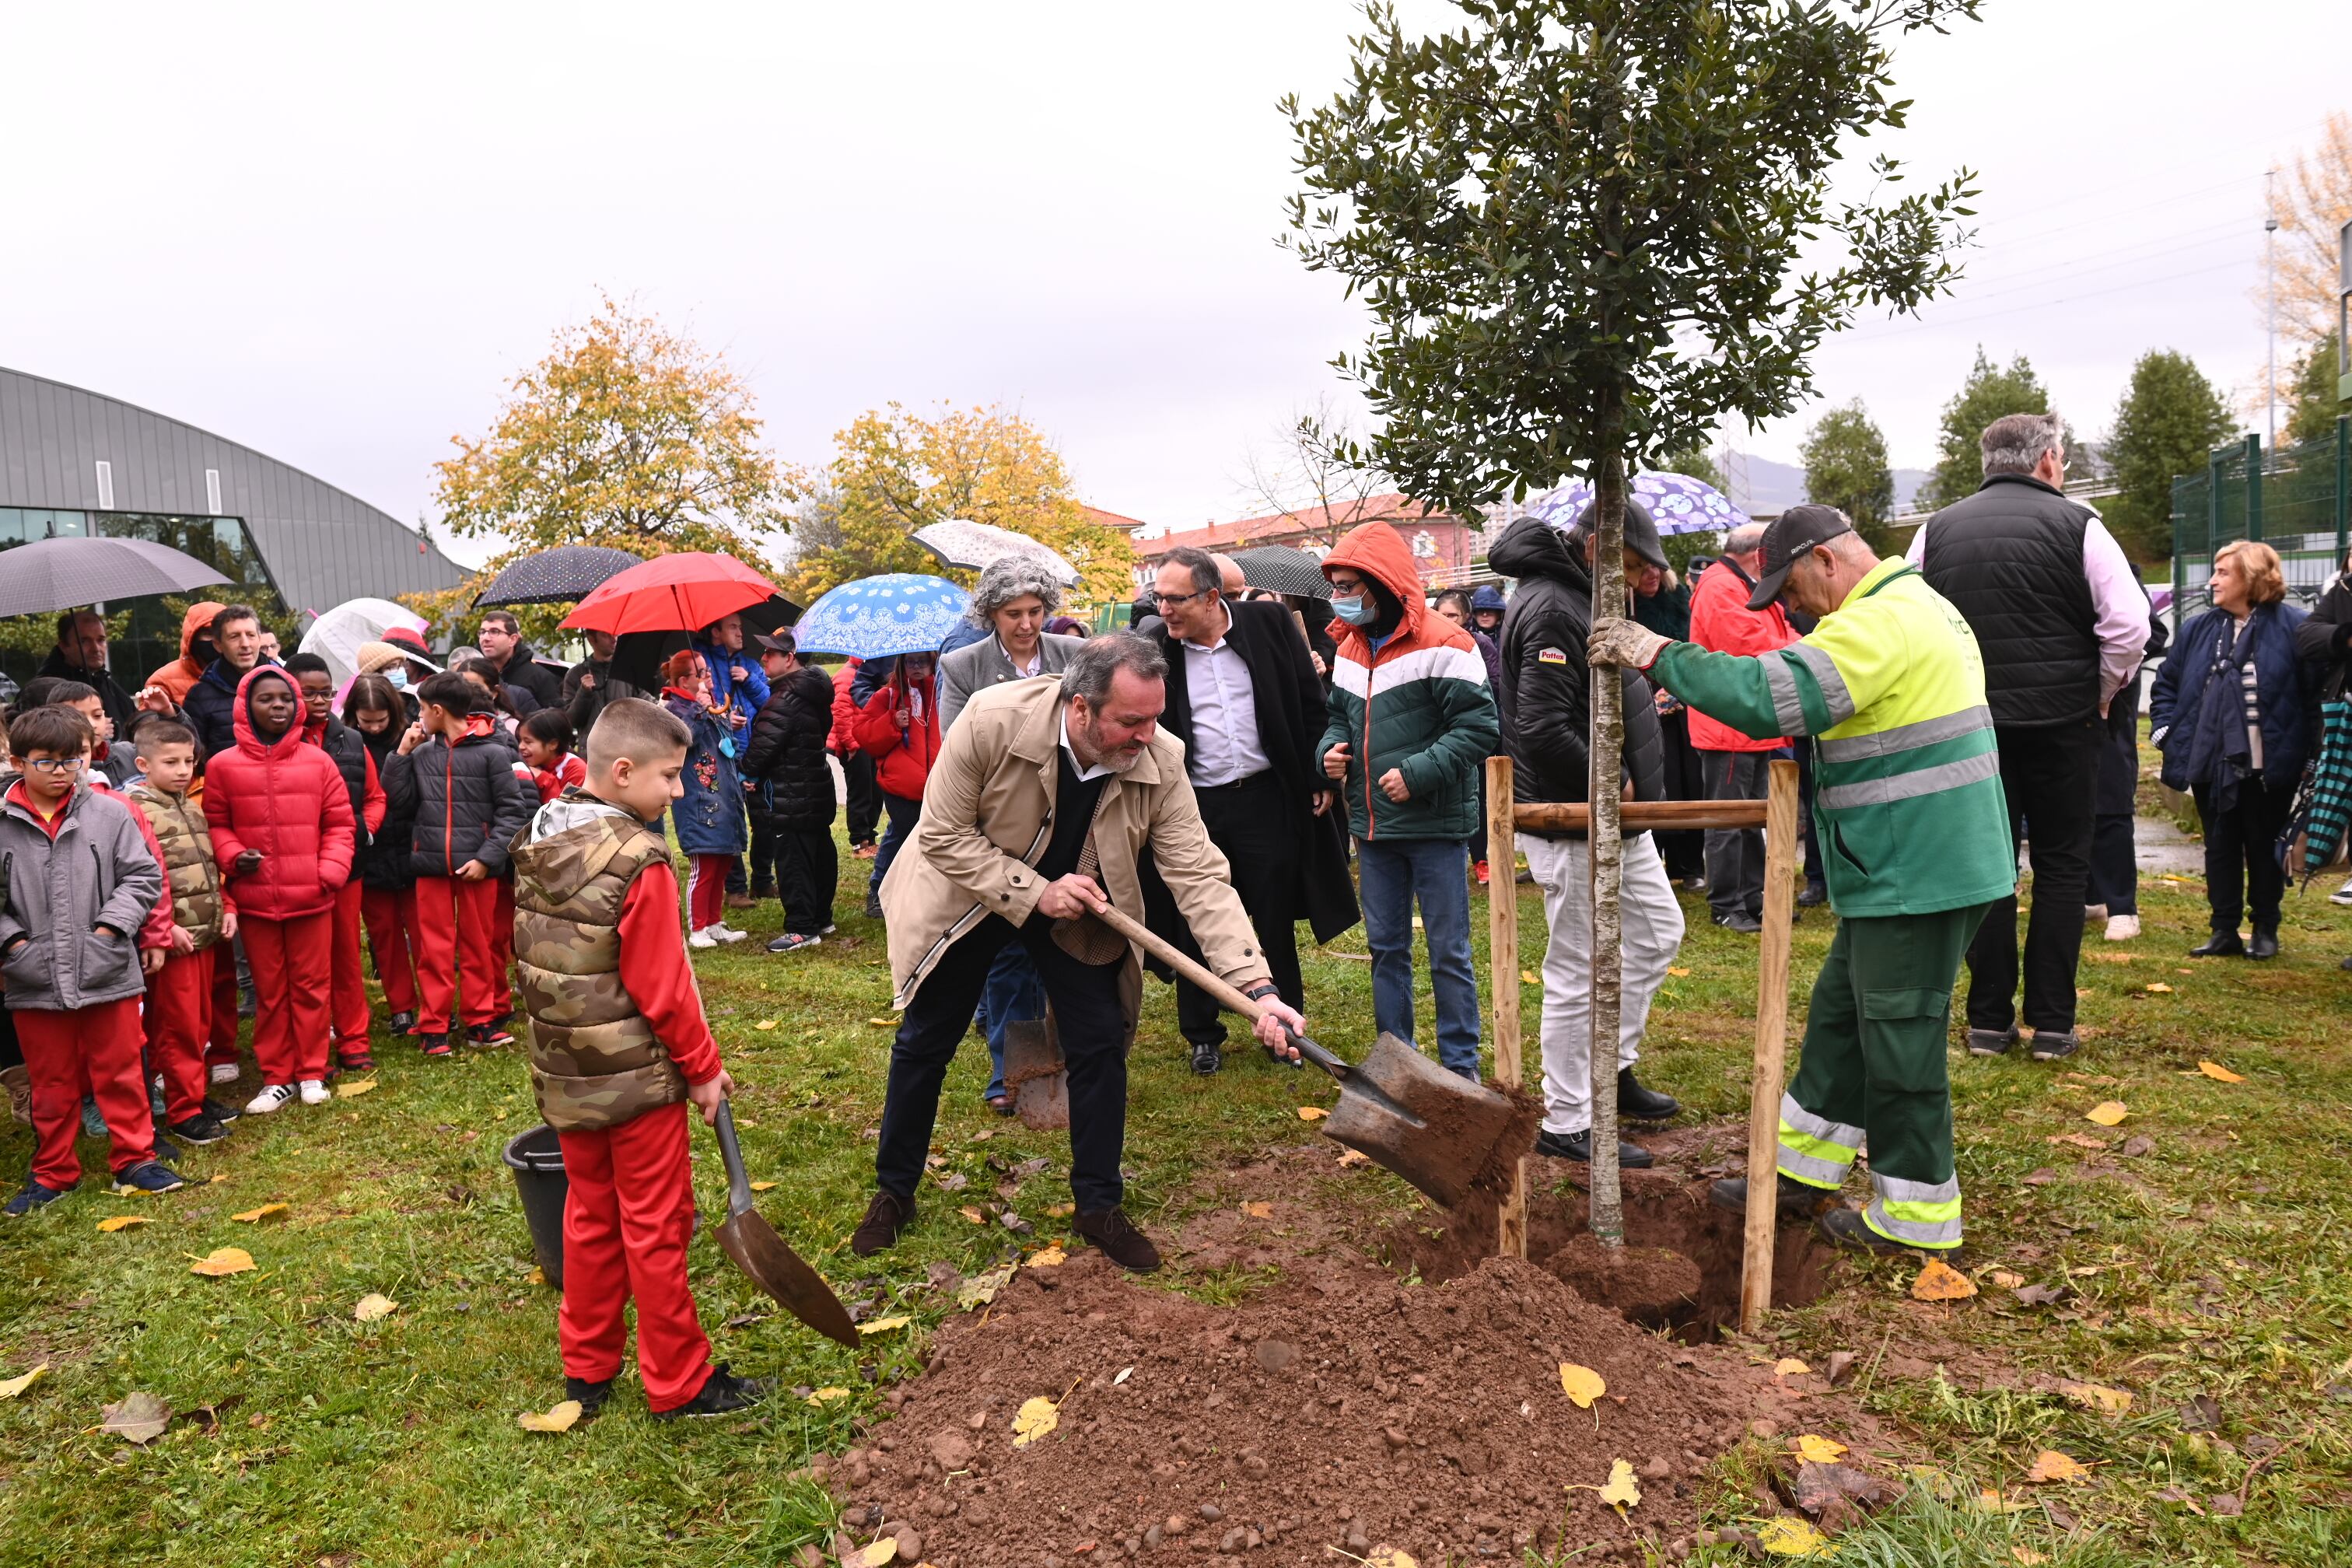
[178,1018]
[347,1005]
[455,929]
[389,916]
[630,1211]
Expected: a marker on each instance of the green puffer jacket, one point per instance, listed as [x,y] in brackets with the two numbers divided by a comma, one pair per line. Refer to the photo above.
[1420,704]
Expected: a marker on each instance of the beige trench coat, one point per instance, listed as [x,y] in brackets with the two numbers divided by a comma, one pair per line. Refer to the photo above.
[985,814]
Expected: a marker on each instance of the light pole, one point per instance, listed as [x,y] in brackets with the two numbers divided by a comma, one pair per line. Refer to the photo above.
[2270,262]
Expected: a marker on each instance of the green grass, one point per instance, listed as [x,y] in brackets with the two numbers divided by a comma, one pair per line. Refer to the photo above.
[2216,1264]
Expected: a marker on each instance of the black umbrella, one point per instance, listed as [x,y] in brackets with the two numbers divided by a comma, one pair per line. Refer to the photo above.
[555,576]
[61,573]
[1279,569]
[638,656]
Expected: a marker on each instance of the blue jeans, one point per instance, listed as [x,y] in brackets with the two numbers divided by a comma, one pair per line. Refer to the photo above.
[904,814]
[1393,873]
[1012,993]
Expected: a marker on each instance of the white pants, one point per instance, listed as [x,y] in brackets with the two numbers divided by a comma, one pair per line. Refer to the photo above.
[1651,923]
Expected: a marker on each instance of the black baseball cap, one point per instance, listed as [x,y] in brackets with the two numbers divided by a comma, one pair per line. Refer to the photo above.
[1641,531]
[1786,538]
[783,642]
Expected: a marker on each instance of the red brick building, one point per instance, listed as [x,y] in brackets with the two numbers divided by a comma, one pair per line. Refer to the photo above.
[1442,546]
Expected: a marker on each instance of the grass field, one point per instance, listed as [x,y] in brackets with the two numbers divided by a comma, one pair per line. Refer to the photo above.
[2210,1278]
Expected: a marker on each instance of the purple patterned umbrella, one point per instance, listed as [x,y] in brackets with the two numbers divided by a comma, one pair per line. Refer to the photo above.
[1678,503]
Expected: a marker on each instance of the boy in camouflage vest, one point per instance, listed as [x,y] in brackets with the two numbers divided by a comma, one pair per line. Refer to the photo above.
[179,995]
[618,1049]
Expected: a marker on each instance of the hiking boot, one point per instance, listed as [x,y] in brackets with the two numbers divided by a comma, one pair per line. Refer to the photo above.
[795,941]
[433,1045]
[2220,944]
[1741,921]
[273,1097]
[1117,1239]
[402,1023]
[1796,1201]
[722,1393]
[1992,1042]
[1848,1229]
[1578,1146]
[1641,1103]
[591,1396]
[886,1216]
[2050,1046]
[19,1082]
[1814,896]
[30,1196]
[199,1129]
[150,1176]
[2263,945]
[1208,1055]
[487,1035]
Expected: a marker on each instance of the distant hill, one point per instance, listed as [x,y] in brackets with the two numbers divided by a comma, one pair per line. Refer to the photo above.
[1775,487]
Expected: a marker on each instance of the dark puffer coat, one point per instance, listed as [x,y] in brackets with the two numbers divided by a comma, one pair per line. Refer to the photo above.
[385,861]
[784,771]
[470,802]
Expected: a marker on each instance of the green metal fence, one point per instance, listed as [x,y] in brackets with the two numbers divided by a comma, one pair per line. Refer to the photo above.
[2296,499]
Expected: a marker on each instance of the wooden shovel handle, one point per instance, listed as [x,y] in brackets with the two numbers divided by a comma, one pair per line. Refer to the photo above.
[1168,952]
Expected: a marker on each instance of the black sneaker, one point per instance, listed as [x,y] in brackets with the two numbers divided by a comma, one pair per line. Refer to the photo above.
[402,1023]
[223,1114]
[1992,1042]
[30,1196]
[722,1393]
[1208,1055]
[591,1396]
[2049,1045]
[1797,1202]
[433,1045]
[1641,1103]
[199,1129]
[487,1035]
[1741,921]
[1116,1236]
[1848,1229]
[873,904]
[150,1176]
[886,1216]
[1578,1146]
[1814,895]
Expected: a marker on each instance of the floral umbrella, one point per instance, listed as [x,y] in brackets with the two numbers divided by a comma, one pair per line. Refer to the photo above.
[1678,503]
[873,617]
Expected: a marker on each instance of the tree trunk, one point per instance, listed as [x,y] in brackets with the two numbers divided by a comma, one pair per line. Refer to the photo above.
[1608,1207]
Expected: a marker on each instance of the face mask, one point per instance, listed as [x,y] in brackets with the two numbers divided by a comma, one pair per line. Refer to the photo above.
[1356,612]
[398,677]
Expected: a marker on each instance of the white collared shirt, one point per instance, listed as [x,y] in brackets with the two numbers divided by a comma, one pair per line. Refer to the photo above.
[1037,665]
[1086,774]
[1226,747]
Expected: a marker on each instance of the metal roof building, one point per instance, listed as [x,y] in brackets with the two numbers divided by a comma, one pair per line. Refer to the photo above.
[73,462]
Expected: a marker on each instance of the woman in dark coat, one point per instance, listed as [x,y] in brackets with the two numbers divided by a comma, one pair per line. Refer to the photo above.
[2236,712]
[708,817]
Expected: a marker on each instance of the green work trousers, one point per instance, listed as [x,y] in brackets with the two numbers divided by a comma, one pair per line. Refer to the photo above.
[1874,1068]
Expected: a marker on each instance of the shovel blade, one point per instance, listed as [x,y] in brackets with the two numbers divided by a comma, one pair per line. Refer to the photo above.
[783,1273]
[1036,1075]
[1439,1130]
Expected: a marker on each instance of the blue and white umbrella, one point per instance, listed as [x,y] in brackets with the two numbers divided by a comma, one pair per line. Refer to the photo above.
[874,617]
[1678,503]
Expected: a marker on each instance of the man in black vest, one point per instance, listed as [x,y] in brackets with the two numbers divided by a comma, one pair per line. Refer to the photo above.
[1243,697]
[2060,618]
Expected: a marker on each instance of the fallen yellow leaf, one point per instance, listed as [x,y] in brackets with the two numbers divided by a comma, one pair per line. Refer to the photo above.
[2106,1113]
[121,1222]
[2217,1071]
[1390,1557]
[982,1288]
[2050,1465]
[1529,977]
[1036,1418]
[762,1186]
[266,1212]
[1789,1366]
[2159,987]
[1678,970]
[2079,1139]
[1620,1493]
[973,1215]
[355,1088]
[1354,1157]
[824,1397]
[538,1275]
[372,1306]
[1312,1113]
[1939,1281]
[1257,1210]
[884,1023]
[2005,1279]
[222,1260]
[2092,1396]
[1060,1211]
[877,1554]
[558,1417]
[765,1024]
[16,1386]
[1815,1450]
[1581,1383]
[1790,1537]
[884,1325]
[1051,1256]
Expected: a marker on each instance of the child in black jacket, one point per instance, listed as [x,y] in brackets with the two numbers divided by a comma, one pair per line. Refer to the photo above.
[785,773]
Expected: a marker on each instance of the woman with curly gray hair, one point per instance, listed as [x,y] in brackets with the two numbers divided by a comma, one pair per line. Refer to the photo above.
[1013,599]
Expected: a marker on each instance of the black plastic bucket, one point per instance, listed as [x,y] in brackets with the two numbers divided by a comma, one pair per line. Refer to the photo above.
[536,1158]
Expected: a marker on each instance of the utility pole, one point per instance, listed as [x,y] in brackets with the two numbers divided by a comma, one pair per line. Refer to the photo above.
[2270,261]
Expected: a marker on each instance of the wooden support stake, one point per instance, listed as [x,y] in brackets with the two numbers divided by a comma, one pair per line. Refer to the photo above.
[1503,962]
[1771,1049]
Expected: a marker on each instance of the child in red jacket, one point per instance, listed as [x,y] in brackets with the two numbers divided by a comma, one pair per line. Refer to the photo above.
[284,834]
[899,728]
[545,742]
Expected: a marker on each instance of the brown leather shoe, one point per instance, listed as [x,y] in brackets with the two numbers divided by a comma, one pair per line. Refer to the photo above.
[742,902]
[886,1216]
[1120,1242]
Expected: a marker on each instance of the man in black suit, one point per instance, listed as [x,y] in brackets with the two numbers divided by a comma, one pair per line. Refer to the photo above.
[1244,697]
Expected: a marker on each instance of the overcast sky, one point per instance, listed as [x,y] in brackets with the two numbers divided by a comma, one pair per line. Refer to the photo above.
[334,233]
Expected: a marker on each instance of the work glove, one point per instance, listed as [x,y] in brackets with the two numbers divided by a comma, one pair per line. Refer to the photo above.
[1629,643]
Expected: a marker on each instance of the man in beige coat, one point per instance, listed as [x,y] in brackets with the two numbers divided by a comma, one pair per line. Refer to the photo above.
[1004,854]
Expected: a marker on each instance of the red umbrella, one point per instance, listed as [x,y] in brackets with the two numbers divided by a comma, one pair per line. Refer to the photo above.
[681,592]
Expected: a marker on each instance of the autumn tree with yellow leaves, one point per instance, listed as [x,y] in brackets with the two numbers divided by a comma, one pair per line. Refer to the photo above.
[895,470]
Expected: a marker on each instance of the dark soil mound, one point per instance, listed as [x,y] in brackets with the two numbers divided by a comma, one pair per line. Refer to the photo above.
[1339,1408]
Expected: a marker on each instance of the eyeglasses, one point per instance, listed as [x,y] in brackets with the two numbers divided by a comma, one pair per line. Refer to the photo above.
[57,764]
[1167,599]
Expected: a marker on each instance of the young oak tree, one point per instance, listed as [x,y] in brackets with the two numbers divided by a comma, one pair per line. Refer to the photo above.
[1588,231]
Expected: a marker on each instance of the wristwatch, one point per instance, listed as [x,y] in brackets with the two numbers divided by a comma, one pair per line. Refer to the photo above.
[1262,992]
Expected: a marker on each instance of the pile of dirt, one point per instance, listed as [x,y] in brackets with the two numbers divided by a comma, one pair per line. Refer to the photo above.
[1339,1407]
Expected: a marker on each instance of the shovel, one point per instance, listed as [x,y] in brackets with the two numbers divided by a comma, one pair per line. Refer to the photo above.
[760,1253]
[1036,1075]
[1438,1129]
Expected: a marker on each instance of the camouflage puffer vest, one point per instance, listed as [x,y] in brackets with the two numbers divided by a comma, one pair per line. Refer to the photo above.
[594,1062]
[188,866]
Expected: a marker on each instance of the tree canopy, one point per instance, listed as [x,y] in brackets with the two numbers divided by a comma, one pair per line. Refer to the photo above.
[1845,466]
[2313,406]
[2170,419]
[1989,391]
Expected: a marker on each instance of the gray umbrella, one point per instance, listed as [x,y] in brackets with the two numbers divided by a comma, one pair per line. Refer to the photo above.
[51,575]
[1279,569]
[977,546]
[556,576]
